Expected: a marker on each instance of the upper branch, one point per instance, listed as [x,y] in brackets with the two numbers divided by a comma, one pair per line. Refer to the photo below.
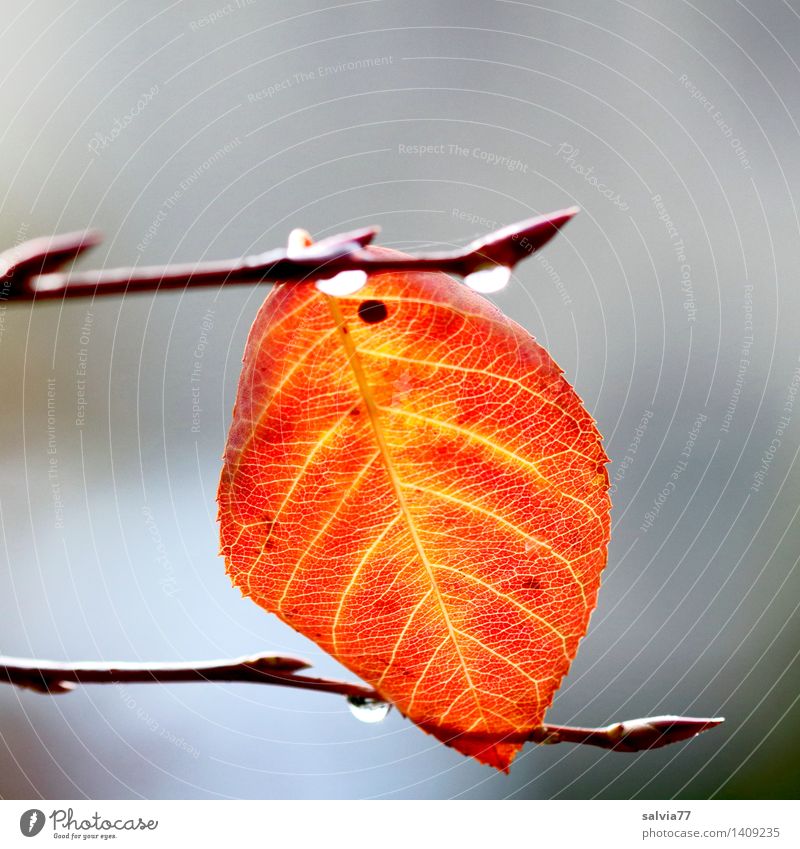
[27,270]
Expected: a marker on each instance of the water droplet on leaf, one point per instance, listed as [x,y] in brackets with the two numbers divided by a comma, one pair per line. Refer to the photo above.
[368,710]
[344,283]
[487,280]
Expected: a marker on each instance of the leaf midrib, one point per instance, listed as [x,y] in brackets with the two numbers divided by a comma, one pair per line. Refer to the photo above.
[351,352]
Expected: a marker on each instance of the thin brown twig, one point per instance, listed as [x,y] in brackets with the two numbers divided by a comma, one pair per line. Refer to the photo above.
[47,676]
[27,271]
[51,677]
[632,735]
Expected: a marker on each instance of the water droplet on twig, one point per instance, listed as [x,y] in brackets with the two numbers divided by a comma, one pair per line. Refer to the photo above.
[344,283]
[368,710]
[487,280]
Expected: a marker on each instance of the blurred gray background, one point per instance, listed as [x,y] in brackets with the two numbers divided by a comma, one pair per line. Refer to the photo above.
[210,129]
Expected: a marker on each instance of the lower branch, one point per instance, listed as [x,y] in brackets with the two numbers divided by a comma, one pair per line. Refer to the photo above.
[632,735]
[44,676]
[47,676]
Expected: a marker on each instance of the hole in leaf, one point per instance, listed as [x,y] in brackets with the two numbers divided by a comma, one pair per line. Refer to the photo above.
[372,312]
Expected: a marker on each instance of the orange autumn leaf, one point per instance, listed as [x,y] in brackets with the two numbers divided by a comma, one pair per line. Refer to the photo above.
[410,482]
